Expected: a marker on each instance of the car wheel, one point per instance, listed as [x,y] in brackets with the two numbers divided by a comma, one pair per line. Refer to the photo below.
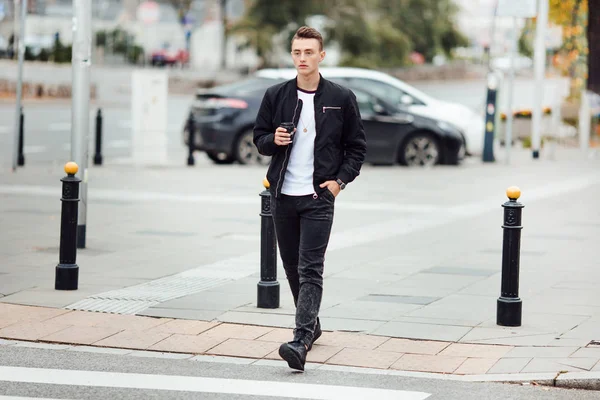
[421,149]
[456,158]
[220,158]
[462,152]
[247,153]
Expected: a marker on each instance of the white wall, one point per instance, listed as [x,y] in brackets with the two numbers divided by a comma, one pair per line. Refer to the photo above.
[206,49]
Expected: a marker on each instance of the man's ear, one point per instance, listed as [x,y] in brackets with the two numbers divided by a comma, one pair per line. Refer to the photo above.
[322,56]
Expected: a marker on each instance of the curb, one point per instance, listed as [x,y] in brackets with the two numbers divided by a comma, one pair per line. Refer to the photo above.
[567,380]
[579,380]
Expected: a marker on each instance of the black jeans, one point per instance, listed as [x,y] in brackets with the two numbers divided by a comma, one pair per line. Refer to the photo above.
[303,226]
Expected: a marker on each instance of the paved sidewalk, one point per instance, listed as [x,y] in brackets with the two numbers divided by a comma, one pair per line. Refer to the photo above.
[412,274]
[252,342]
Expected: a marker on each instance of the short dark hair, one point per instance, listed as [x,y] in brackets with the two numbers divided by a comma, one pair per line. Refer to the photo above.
[306,32]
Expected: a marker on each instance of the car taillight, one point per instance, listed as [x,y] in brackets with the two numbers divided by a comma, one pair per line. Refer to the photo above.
[224,103]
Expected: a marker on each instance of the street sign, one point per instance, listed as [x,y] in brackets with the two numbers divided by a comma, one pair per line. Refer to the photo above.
[519,9]
[148,12]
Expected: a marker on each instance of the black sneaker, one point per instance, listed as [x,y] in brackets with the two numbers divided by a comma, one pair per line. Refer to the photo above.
[317,335]
[294,353]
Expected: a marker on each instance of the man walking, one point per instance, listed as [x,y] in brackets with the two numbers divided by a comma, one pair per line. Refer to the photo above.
[323,152]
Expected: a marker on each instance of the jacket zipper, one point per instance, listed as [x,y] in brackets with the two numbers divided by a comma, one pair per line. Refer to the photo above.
[286,152]
[331,108]
[315,195]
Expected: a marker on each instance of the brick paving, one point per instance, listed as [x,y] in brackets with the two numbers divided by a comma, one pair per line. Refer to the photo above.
[167,335]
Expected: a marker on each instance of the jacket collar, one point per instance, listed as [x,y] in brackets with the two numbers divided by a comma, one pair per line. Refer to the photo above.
[320,87]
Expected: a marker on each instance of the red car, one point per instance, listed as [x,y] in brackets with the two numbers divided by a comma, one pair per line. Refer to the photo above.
[169,57]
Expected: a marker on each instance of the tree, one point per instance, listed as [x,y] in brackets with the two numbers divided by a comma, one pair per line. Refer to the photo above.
[393,46]
[429,25]
[526,39]
[266,19]
[593,39]
[370,33]
[350,29]
[571,57]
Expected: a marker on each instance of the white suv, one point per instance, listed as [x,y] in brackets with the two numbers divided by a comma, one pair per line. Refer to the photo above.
[398,92]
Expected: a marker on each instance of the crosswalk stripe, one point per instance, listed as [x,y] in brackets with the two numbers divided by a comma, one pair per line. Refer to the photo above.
[59,126]
[201,384]
[34,149]
[24,398]
[118,144]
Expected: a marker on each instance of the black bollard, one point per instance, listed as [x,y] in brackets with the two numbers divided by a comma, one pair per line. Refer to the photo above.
[67,271]
[510,306]
[490,118]
[191,138]
[98,153]
[268,287]
[21,157]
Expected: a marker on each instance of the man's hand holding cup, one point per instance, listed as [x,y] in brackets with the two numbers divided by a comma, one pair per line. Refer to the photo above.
[283,134]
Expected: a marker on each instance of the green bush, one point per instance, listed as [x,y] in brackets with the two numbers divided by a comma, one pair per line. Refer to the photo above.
[44,55]
[101,38]
[135,53]
[28,54]
[61,53]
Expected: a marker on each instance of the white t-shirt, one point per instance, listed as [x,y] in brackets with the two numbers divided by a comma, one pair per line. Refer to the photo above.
[298,179]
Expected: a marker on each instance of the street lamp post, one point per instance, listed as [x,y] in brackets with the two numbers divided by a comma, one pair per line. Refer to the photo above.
[21,49]
[224,44]
[80,114]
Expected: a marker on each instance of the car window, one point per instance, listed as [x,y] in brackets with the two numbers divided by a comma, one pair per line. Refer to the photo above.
[366,103]
[381,89]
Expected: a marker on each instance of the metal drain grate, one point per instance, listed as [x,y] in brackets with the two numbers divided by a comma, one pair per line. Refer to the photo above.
[115,306]
[134,299]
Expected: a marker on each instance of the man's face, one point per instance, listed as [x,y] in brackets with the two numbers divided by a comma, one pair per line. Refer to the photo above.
[306,55]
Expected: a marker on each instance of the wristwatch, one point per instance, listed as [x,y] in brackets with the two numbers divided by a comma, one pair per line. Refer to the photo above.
[342,184]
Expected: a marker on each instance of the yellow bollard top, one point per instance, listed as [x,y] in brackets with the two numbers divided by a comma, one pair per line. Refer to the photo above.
[266,183]
[513,192]
[71,168]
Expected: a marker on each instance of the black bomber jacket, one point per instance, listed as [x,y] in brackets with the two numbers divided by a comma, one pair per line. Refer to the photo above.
[340,142]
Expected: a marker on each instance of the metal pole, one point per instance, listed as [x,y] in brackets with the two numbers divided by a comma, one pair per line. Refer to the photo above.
[224,44]
[491,99]
[268,287]
[21,50]
[509,305]
[509,113]
[15,27]
[80,62]
[492,34]
[539,63]
[98,153]
[493,86]
[585,122]
[67,271]
[21,158]
[191,139]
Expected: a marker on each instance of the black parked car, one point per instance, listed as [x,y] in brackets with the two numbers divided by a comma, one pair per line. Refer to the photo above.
[224,118]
